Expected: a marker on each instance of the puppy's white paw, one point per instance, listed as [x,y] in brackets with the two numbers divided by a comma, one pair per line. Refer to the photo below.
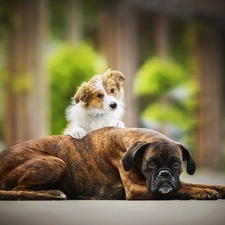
[117,123]
[78,133]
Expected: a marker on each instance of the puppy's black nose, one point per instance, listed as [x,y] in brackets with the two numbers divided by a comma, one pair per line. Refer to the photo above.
[164,174]
[113,105]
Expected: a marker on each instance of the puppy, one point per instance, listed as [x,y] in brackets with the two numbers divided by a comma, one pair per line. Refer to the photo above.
[96,104]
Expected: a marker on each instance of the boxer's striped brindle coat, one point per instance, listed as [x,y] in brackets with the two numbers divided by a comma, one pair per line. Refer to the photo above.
[109,163]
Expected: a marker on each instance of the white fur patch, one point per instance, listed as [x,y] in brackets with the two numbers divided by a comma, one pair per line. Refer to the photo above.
[77,132]
[117,123]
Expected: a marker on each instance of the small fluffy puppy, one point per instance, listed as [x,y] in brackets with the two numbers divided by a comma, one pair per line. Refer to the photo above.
[96,104]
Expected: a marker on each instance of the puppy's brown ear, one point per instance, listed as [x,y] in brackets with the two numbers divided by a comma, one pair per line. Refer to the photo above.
[115,74]
[82,93]
[191,165]
[130,156]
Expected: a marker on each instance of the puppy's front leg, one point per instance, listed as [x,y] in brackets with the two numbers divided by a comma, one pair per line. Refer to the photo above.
[117,123]
[77,132]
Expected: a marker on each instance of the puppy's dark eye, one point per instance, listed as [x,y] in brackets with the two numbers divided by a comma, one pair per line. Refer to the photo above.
[151,163]
[112,90]
[176,164]
[99,96]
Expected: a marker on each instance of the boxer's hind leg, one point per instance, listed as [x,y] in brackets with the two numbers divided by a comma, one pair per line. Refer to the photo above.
[38,173]
[32,195]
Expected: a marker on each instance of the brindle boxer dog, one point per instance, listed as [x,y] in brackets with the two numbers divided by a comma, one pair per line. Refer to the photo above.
[109,163]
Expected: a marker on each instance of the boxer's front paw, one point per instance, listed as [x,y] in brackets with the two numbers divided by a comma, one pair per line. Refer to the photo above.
[198,192]
[117,123]
[209,194]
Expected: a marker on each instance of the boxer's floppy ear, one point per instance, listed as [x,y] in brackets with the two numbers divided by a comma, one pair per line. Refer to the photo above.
[130,155]
[191,165]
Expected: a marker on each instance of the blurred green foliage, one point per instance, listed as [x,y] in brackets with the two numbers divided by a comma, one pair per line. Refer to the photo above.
[69,66]
[157,77]
[167,93]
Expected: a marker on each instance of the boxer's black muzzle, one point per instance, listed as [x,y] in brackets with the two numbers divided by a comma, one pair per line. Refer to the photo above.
[162,182]
[163,173]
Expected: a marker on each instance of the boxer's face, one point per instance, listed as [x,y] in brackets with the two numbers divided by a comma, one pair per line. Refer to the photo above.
[160,162]
[162,166]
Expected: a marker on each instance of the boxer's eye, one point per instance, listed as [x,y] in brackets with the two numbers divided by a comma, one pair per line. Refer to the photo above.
[151,163]
[176,164]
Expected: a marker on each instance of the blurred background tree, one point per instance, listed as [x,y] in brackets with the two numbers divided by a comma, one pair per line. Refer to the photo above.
[172,54]
[69,67]
[167,98]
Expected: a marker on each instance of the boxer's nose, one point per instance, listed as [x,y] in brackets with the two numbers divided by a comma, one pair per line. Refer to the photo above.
[164,174]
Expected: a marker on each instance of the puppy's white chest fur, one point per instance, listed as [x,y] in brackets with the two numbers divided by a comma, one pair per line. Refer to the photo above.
[94,118]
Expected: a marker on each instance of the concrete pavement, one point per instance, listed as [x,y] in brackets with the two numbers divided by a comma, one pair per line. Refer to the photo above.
[112,212]
[205,176]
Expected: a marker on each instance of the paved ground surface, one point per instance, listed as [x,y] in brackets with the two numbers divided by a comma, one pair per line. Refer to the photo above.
[113,212]
[204,176]
[119,212]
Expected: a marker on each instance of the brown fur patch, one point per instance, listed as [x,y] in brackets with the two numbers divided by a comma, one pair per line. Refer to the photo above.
[88,95]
